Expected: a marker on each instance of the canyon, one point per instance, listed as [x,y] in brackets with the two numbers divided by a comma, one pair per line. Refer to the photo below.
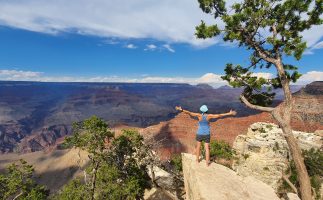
[37,116]
[173,131]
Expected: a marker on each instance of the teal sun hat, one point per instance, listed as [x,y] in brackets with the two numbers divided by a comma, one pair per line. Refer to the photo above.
[204,108]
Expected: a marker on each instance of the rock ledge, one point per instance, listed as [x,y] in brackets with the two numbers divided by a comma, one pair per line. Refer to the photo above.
[219,182]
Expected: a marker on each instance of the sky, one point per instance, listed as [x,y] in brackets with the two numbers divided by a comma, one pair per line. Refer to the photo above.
[123,41]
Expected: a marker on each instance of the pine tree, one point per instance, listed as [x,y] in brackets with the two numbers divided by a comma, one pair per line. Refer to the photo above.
[271,31]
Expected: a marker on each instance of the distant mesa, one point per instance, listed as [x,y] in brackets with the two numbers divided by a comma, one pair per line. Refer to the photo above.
[204,86]
[225,87]
[314,88]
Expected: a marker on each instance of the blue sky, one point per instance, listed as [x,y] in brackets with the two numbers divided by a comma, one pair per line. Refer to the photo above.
[140,41]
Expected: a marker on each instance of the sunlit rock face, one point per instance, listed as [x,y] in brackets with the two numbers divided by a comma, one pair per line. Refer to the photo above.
[264,154]
[219,182]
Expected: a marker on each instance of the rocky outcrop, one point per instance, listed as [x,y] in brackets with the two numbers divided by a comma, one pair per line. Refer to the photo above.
[165,182]
[308,109]
[219,182]
[43,138]
[53,169]
[292,196]
[263,152]
[10,134]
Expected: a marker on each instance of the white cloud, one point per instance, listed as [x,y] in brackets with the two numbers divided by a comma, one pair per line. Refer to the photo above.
[169,48]
[208,78]
[313,35]
[310,50]
[18,75]
[131,46]
[14,75]
[264,75]
[111,41]
[310,77]
[151,47]
[318,45]
[168,20]
[212,79]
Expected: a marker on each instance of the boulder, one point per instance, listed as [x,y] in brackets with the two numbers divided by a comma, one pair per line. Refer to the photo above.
[292,196]
[264,154]
[219,182]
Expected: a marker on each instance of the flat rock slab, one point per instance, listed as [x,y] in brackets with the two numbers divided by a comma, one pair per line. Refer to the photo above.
[219,182]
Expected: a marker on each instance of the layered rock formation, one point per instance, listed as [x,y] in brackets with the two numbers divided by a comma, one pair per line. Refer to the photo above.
[219,182]
[32,113]
[33,116]
[264,154]
[308,108]
[178,135]
[44,138]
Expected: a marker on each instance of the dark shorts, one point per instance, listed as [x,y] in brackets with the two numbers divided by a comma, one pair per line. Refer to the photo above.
[203,138]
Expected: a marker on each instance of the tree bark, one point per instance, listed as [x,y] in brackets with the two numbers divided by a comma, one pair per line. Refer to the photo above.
[303,178]
[284,120]
[94,180]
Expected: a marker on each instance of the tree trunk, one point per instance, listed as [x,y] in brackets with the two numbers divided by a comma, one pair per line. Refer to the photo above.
[303,178]
[94,180]
[284,120]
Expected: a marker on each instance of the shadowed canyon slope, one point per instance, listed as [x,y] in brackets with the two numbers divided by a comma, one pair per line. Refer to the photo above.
[33,115]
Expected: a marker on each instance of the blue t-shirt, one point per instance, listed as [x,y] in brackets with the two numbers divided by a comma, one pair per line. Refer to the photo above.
[204,126]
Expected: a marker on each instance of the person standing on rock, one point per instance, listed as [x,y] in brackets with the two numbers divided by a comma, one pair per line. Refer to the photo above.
[203,132]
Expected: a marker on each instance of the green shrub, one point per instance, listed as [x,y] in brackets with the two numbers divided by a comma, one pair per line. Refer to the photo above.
[269,126]
[246,156]
[75,190]
[262,130]
[314,161]
[221,149]
[276,147]
[176,162]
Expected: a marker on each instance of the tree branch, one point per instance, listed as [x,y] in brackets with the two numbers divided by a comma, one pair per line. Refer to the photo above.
[290,184]
[261,52]
[261,108]
[18,195]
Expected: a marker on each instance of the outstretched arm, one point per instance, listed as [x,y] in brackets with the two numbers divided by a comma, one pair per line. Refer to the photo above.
[213,116]
[187,112]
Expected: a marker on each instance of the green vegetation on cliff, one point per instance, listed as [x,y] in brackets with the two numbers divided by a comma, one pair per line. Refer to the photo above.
[117,169]
[18,183]
[313,159]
